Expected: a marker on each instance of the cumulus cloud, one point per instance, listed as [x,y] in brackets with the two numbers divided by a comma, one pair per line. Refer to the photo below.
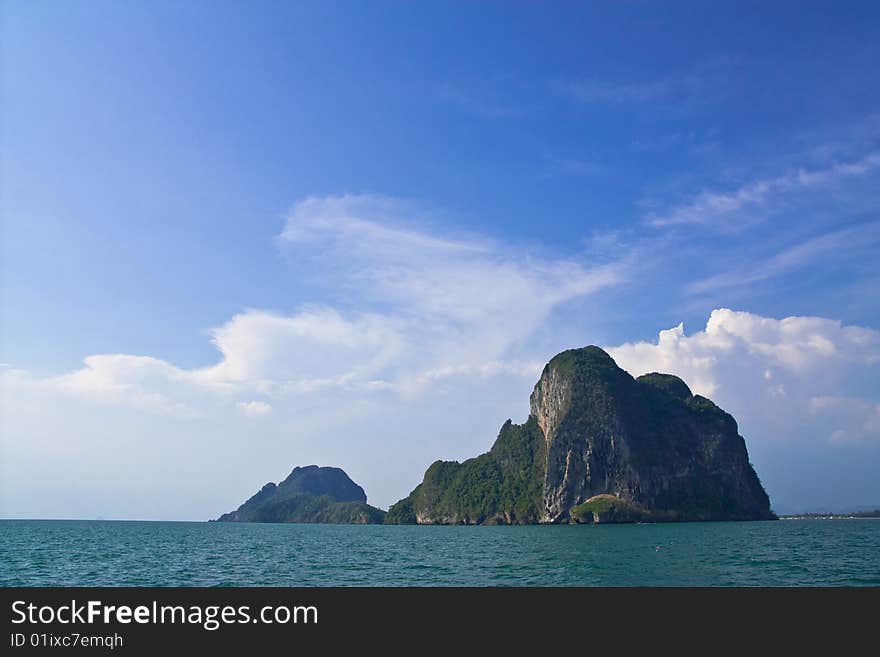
[309,349]
[807,378]
[260,353]
[141,381]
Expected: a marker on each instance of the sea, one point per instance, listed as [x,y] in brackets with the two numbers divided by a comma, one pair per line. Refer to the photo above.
[808,552]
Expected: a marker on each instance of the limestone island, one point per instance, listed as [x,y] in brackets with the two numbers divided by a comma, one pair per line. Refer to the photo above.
[598,447]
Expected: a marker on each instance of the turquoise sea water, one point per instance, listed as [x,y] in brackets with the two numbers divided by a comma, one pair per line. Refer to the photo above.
[110,553]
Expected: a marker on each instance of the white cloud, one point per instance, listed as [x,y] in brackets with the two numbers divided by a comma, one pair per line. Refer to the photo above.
[261,353]
[838,244]
[141,381]
[710,207]
[254,408]
[458,300]
[849,419]
[377,244]
[266,350]
[795,378]
[368,224]
[485,370]
[445,306]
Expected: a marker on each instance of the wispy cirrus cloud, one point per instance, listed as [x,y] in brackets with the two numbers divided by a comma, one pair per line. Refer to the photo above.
[573,166]
[713,207]
[371,224]
[697,86]
[483,102]
[495,293]
[702,143]
[838,245]
[593,91]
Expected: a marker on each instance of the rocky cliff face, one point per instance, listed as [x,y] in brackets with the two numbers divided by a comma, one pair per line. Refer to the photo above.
[599,446]
[310,494]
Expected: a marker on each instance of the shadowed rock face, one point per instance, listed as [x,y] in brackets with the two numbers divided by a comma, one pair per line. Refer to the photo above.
[309,494]
[593,431]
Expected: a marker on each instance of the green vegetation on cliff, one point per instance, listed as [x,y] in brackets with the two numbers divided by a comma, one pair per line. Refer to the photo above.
[598,504]
[609,508]
[502,486]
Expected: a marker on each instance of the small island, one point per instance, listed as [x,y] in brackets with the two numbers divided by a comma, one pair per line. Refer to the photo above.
[311,495]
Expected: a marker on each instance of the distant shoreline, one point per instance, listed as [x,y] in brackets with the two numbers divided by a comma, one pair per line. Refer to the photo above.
[857,515]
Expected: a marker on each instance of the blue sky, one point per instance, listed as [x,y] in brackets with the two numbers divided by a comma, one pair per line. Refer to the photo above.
[256,215]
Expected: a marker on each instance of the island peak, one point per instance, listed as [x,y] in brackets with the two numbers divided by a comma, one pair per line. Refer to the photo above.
[310,494]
